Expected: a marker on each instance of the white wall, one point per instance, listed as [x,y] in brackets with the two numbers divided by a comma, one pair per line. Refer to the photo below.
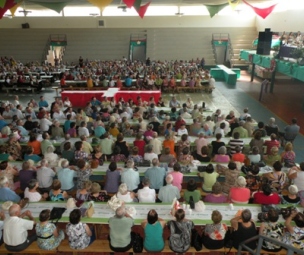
[130,22]
[282,21]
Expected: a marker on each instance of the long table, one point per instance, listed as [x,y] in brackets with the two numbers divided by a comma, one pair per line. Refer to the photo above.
[80,98]
[145,95]
[103,212]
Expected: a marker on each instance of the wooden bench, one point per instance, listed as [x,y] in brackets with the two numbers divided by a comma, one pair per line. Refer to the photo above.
[32,249]
[82,88]
[8,89]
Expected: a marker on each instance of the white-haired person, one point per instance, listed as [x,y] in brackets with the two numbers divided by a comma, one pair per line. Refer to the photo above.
[45,175]
[66,175]
[292,196]
[51,157]
[124,194]
[15,229]
[120,225]
[239,193]
[6,194]
[32,194]
[167,193]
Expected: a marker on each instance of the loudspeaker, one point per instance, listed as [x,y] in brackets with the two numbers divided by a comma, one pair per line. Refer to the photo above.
[264,43]
[25,25]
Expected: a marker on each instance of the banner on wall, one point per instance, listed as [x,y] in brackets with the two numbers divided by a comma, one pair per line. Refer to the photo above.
[141,9]
[214,9]
[262,12]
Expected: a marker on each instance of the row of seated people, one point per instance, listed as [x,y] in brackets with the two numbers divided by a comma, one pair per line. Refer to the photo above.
[121,237]
[93,192]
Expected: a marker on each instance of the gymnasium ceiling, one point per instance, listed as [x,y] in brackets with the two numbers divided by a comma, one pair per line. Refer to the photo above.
[85,3]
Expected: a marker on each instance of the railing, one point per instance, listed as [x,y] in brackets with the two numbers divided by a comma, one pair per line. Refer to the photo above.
[214,52]
[46,50]
[290,249]
[230,51]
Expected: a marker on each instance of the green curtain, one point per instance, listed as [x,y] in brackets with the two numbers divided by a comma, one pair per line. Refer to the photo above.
[214,9]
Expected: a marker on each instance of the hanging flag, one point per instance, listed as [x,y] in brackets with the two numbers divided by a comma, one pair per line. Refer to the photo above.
[129,3]
[214,9]
[101,4]
[14,9]
[56,6]
[233,3]
[2,3]
[262,12]
[8,4]
[142,10]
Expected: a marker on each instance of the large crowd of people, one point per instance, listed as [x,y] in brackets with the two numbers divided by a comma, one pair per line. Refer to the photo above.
[57,173]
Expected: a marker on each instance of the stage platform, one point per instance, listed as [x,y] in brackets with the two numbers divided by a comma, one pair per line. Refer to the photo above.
[80,98]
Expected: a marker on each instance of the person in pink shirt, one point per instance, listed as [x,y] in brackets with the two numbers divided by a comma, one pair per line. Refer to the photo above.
[240,194]
[271,143]
[177,176]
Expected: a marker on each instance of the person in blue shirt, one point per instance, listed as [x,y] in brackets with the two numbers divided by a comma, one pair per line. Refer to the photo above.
[99,131]
[67,123]
[95,102]
[6,194]
[43,103]
[29,154]
[2,124]
[128,82]
[23,131]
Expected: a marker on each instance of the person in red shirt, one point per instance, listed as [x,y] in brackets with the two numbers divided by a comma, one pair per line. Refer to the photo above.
[62,81]
[140,143]
[273,142]
[266,196]
[179,122]
[238,156]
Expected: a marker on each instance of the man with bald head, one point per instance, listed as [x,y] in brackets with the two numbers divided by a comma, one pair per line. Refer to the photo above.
[156,175]
[169,192]
[15,229]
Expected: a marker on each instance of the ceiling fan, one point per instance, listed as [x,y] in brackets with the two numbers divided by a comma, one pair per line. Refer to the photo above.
[25,12]
[123,8]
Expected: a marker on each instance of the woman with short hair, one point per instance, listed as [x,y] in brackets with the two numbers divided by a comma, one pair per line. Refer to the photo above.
[214,234]
[79,234]
[239,194]
[153,227]
[48,236]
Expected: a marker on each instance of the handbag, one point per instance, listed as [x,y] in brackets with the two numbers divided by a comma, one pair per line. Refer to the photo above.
[90,210]
[138,243]
[115,202]
[191,203]
[144,163]
[196,240]
[56,214]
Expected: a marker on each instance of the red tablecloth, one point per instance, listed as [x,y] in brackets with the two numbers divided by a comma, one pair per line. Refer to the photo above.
[145,95]
[80,98]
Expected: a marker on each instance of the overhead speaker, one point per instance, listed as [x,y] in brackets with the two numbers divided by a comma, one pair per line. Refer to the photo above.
[25,25]
[264,43]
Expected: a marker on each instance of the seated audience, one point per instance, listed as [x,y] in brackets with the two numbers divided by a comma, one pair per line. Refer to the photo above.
[79,234]
[56,194]
[130,177]
[112,178]
[153,228]
[210,177]
[266,196]
[135,156]
[84,192]
[146,194]
[177,176]
[180,226]
[272,157]
[231,174]
[292,196]
[192,191]
[213,235]
[15,229]
[240,194]
[255,156]
[6,194]
[169,192]
[221,156]
[243,229]
[120,226]
[238,156]
[117,155]
[185,158]
[96,194]
[32,194]
[49,236]
[288,156]
[277,178]
[294,234]
[149,154]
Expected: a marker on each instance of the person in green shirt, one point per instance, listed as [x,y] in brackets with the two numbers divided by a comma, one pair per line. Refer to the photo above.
[158,82]
[192,191]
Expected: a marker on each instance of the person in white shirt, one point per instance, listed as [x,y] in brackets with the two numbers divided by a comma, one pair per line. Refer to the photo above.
[125,114]
[7,113]
[182,130]
[157,144]
[45,124]
[16,101]
[45,175]
[150,155]
[15,229]
[58,114]
[19,113]
[67,102]
[31,192]
[142,125]
[220,129]
[146,195]
[83,130]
